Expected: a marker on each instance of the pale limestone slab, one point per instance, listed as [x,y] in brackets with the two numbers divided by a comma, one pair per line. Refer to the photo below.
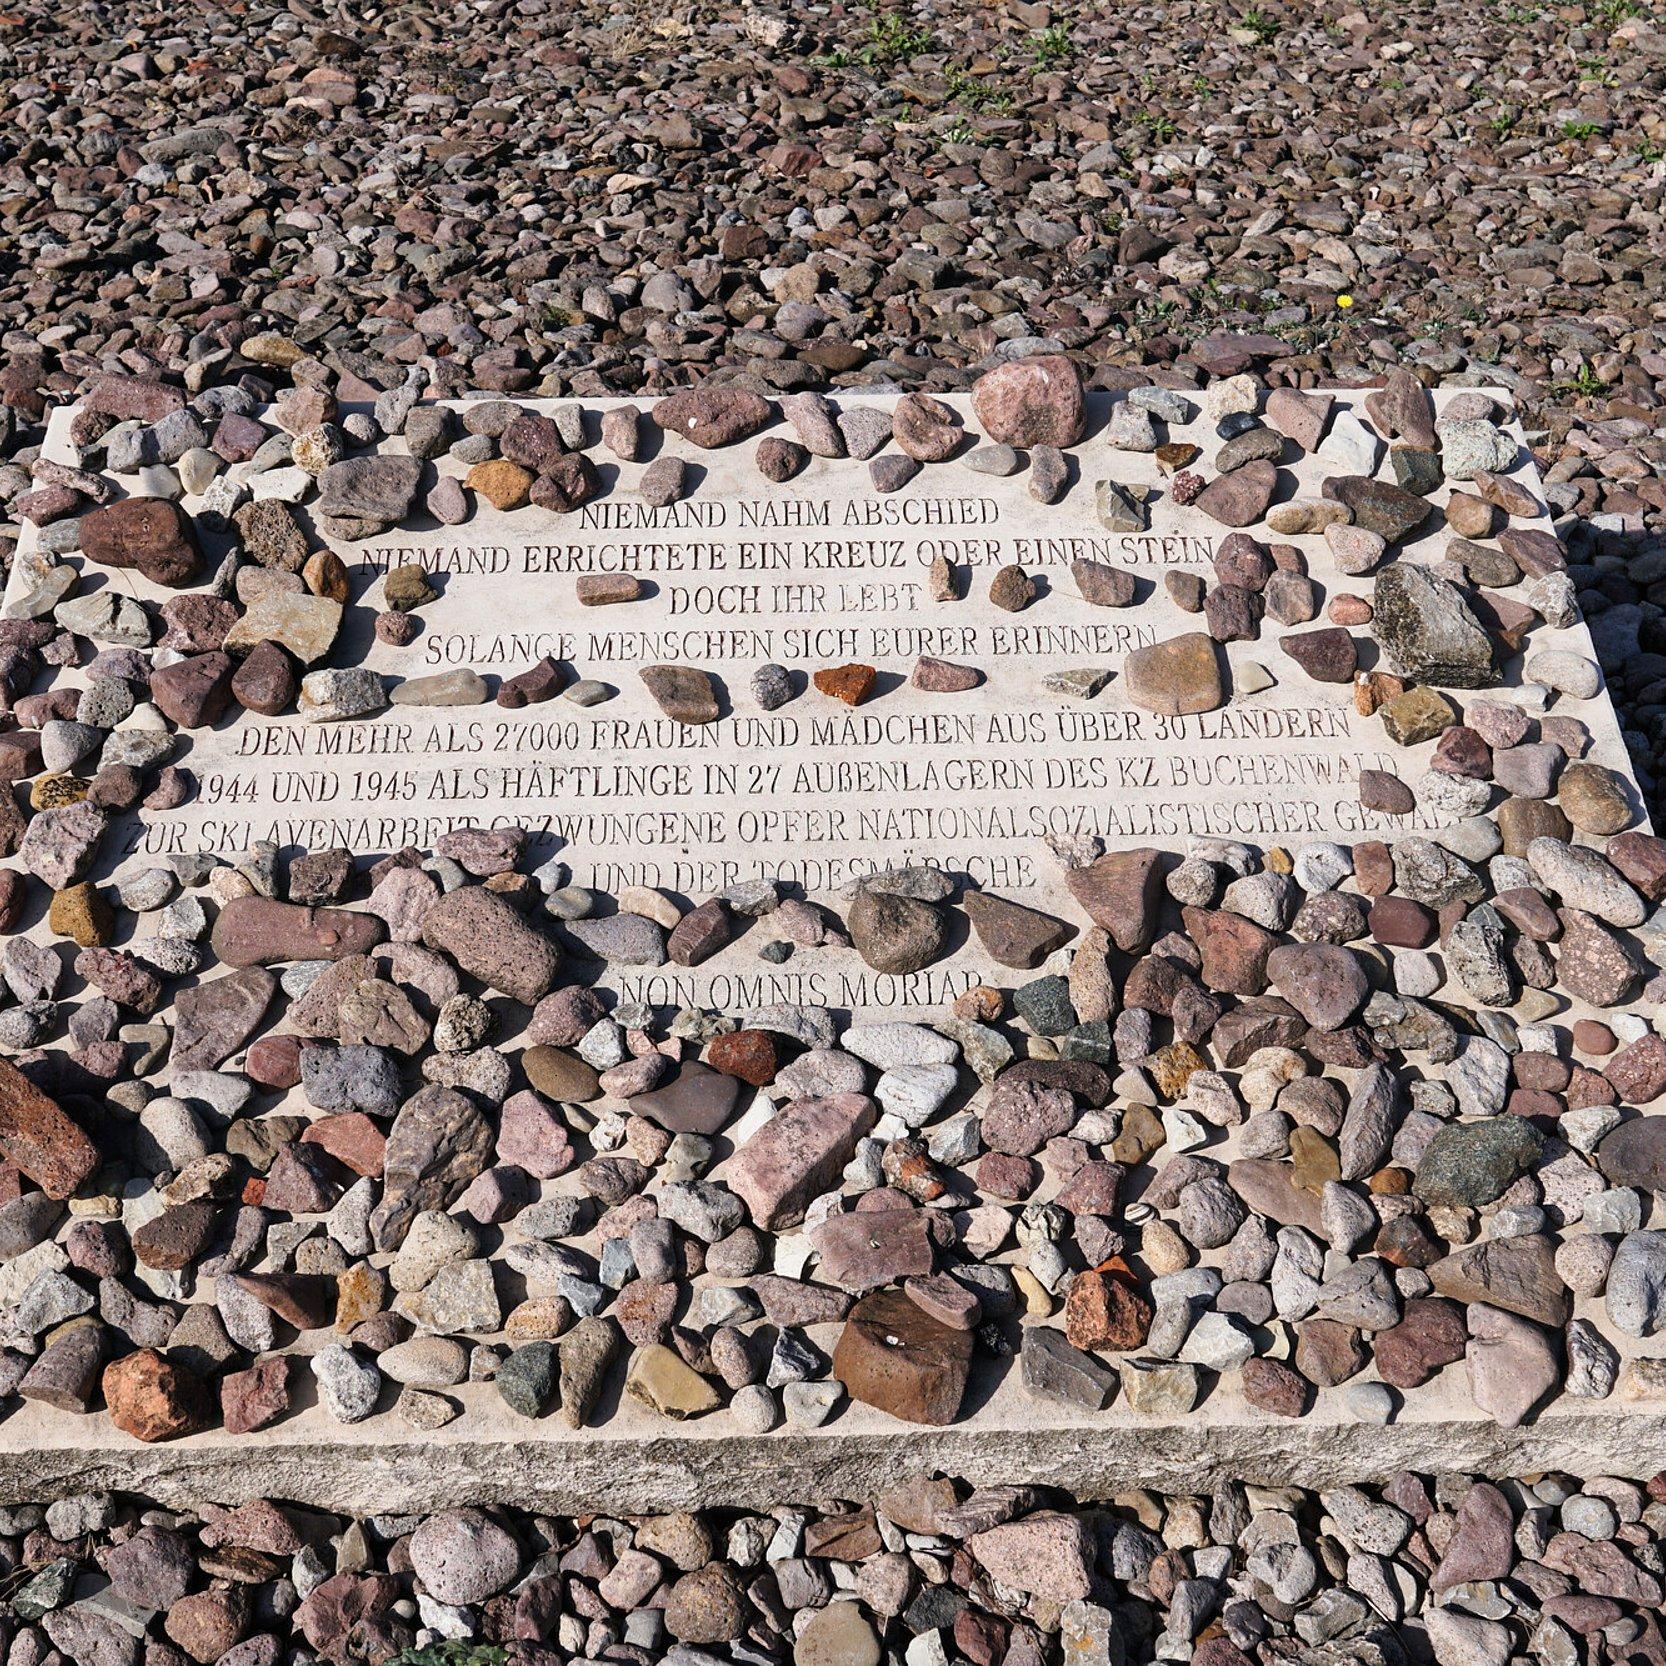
[636,1463]
[818,572]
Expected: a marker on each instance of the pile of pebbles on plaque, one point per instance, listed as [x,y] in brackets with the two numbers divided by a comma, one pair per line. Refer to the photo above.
[1271,1125]
[929,1573]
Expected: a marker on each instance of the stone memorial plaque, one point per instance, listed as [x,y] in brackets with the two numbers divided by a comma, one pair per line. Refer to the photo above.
[876,688]
[986,783]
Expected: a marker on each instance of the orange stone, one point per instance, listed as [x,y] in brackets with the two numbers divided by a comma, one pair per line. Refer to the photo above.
[850,683]
[503,484]
[1374,689]
[1105,1311]
[152,1399]
[325,574]
[980,1003]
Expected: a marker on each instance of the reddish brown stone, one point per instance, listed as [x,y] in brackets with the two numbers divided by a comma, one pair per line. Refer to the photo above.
[1219,1651]
[1123,892]
[1543,1072]
[712,417]
[884,1239]
[195,691]
[400,630]
[1461,751]
[533,686]
[1275,1388]
[1407,1242]
[1241,497]
[850,683]
[1012,934]
[1378,790]
[176,1237]
[1030,402]
[941,676]
[40,1139]
[896,1357]
[568,483]
[1003,1174]
[258,931]
[1592,1036]
[1431,1334]
[1328,1353]
[925,428]
[980,1638]
[699,934]
[1373,868]
[1589,1087]
[305,1300]
[1638,1072]
[132,398]
[1401,923]
[209,1623]
[265,682]
[1529,913]
[1327,655]
[19,756]
[346,1607]
[1234,949]
[254,1398]
[351,1138]
[150,534]
[13,894]
[607,589]
[1641,857]
[752,1055]
[274,1061]
[1541,1107]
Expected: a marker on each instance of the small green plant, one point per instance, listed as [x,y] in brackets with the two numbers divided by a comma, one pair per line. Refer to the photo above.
[1613,12]
[1580,129]
[959,132]
[1264,28]
[1161,128]
[1503,124]
[449,1652]
[974,92]
[1200,84]
[892,39]
[1394,83]
[1585,382]
[1052,46]
[1649,152]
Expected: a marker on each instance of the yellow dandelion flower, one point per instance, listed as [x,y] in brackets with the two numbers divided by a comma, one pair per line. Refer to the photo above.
[1344,301]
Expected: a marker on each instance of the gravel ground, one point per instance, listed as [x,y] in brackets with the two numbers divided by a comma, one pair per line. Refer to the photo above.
[1459,1570]
[537,200]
